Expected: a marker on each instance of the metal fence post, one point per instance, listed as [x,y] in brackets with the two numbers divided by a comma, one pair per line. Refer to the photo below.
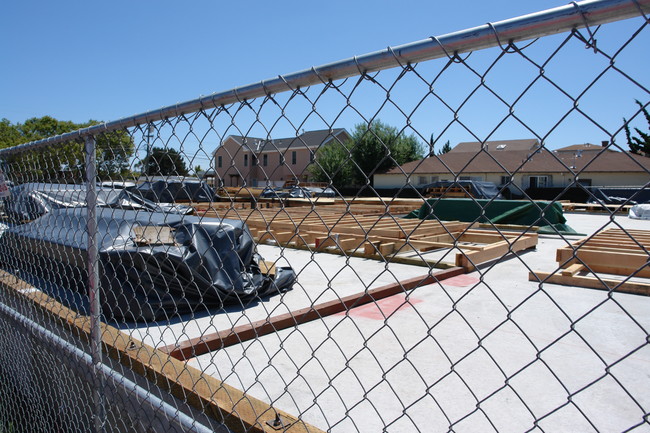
[93,281]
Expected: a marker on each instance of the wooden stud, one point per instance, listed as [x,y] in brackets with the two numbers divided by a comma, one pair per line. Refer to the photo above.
[201,345]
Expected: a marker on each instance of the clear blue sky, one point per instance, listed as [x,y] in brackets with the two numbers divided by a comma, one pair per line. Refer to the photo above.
[79,60]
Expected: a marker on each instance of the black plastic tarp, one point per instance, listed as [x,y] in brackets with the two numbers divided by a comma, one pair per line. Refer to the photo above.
[29,201]
[204,264]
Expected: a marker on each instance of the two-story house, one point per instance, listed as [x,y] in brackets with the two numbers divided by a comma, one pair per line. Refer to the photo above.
[254,161]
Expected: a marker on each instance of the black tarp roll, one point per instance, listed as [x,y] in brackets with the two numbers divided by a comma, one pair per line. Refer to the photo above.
[204,264]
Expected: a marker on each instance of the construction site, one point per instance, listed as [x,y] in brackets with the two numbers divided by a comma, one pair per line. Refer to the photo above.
[461,266]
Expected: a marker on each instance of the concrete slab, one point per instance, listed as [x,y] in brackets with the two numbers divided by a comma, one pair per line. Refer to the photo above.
[484,351]
[321,277]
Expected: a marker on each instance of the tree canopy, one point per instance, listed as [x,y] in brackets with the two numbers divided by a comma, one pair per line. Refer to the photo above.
[641,144]
[372,148]
[445,148]
[164,162]
[65,161]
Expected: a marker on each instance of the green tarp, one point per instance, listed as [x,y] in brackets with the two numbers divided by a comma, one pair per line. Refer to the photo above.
[547,215]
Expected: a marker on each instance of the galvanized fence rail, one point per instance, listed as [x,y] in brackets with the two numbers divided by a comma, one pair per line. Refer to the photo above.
[417,239]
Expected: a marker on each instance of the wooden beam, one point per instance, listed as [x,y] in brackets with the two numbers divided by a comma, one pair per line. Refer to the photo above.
[609,261]
[633,287]
[207,343]
[573,269]
[493,251]
[239,411]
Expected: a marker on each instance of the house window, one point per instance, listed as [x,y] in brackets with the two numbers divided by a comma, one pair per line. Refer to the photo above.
[219,161]
[245,160]
[281,159]
[265,160]
[293,157]
[538,182]
[312,156]
[422,180]
[505,180]
[254,160]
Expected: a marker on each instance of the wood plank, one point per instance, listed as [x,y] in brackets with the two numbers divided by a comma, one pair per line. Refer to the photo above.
[607,261]
[494,251]
[633,287]
[239,411]
[573,269]
[208,343]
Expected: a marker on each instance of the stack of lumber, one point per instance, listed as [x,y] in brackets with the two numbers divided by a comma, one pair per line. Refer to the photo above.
[595,207]
[611,251]
[368,231]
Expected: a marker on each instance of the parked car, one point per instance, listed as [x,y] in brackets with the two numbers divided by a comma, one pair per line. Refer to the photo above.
[170,191]
[270,192]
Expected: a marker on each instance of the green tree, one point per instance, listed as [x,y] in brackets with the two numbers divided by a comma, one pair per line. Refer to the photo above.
[445,148]
[9,134]
[372,148]
[641,144]
[64,161]
[377,147]
[164,162]
[333,165]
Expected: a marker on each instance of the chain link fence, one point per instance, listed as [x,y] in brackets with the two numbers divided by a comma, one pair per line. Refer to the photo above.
[419,239]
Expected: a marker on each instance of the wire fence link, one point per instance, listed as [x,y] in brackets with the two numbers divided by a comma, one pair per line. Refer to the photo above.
[392,245]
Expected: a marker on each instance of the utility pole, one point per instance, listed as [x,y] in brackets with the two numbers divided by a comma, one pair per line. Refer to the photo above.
[148,136]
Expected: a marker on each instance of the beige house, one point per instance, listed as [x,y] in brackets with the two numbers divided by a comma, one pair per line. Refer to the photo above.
[252,161]
[525,164]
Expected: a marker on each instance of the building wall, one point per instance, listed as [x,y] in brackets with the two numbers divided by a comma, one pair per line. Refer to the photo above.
[234,171]
[522,180]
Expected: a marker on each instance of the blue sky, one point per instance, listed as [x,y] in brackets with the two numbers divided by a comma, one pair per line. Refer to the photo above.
[79,60]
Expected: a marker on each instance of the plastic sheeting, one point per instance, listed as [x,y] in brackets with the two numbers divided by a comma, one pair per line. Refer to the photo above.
[640,212]
[203,264]
[517,212]
[29,201]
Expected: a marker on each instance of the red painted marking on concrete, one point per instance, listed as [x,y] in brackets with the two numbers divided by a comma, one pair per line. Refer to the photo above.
[460,281]
[383,308]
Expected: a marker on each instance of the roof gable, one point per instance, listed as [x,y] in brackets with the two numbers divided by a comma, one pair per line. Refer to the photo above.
[540,161]
[501,145]
[306,140]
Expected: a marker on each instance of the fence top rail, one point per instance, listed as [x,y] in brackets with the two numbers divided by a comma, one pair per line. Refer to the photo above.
[551,21]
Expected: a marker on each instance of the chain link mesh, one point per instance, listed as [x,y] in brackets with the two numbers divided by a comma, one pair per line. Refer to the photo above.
[256,270]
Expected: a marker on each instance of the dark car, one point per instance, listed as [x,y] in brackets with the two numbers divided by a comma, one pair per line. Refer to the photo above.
[270,192]
[170,191]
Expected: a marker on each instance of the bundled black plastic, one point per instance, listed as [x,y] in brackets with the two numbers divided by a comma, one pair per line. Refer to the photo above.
[152,266]
[31,200]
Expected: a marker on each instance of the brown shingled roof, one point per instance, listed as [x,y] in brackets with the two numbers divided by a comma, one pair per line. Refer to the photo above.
[308,139]
[543,161]
[505,145]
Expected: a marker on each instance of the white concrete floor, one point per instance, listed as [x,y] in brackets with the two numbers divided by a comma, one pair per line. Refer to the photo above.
[480,352]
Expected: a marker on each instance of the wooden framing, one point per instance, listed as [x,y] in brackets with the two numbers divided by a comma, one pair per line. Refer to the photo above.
[381,236]
[237,410]
[228,337]
[595,207]
[612,251]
